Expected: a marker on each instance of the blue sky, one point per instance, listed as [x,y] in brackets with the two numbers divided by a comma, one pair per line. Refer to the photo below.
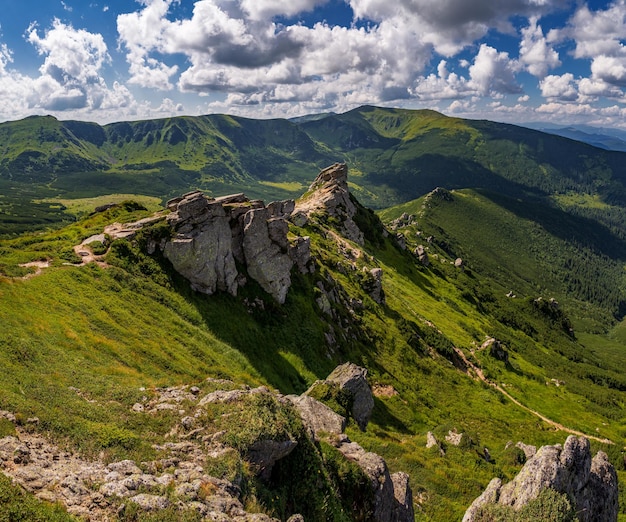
[560,61]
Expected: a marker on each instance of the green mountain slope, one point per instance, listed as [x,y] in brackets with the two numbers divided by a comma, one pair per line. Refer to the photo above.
[395,156]
[109,331]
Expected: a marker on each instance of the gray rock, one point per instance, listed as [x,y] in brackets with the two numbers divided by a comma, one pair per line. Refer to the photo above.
[150,502]
[300,253]
[265,453]
[317,417]
[403,507]
[389,505]
[266,262]
[590,483]
[373,285]
[329,193]
[489,496]
[353,379]
[529,450]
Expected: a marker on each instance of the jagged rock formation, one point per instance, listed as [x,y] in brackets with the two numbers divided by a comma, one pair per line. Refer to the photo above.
[210,236]
[591,484]
[329,194]
[393,497]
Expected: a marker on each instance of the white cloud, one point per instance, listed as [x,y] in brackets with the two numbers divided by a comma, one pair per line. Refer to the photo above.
[263,9]
[560,88]
[535,53]
[493,72]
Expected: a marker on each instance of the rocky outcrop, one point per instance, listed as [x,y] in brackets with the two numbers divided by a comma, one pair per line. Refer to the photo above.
[330,195]
[178,479]
[211,236]
[591,484]
[352,379]
[393,498]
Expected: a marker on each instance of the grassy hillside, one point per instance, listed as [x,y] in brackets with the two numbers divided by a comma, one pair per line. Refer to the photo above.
[107,332]
[395,156]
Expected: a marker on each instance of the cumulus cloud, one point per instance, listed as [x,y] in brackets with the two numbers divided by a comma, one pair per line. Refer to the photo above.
[70,78]
[599,36]
[493,72]
[451,25]
[536,55]
[561,88]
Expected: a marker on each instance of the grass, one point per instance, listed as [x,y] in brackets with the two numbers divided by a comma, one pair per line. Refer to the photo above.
[84,206]
[110,332]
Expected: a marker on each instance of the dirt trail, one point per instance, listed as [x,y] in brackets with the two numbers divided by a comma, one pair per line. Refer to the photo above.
[37,265]
[472,368]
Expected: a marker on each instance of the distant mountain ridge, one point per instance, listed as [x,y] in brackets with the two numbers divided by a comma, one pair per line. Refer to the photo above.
[395,155]
[608,139]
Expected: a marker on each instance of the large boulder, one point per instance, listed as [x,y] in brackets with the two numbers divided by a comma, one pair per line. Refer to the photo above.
[317,417]
[591,484]
[352,379]
[201,250]
[266,261]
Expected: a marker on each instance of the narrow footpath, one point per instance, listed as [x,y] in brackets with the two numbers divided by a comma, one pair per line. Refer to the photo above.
[479,375]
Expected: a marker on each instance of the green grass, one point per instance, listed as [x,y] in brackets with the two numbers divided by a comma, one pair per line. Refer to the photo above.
[110,332]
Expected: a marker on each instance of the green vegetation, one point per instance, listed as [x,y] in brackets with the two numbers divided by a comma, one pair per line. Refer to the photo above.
[532,216]
[549,506]
[18,506]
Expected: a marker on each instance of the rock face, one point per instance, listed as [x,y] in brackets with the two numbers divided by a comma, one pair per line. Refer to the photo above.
[353,380]
[590,483]
[393,498]
[212,236]
[329,193]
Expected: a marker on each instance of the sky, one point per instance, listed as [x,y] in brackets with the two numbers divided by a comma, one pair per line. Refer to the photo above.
[557,61]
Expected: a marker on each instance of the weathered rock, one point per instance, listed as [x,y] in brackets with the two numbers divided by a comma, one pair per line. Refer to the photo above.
[353,380]
[591,484]
[150,502]
[529,450]
[403,507]
[489,496]
[389,505]
[265,453]
[422,255]
[201,249]
[266,262]
[454,438]
[212,235]
[329,193]
[373,285]
[317,417]
[300,253]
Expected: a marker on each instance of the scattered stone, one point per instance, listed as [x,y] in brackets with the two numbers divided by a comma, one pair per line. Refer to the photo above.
[454,438]
[422,255]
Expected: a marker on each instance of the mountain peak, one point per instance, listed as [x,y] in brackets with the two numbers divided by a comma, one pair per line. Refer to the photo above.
[330,195]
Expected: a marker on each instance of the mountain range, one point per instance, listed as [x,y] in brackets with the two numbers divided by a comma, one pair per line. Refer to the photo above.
[475,270]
